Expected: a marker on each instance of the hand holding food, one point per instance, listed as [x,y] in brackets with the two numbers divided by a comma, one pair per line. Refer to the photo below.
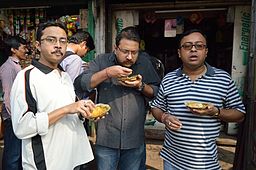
[171,121]
[133,81]
[128,78]
[201,108]
[99,111]
[117,71]
[196,105]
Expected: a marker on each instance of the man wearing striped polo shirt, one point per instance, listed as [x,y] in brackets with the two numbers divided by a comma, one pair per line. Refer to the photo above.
[190,137]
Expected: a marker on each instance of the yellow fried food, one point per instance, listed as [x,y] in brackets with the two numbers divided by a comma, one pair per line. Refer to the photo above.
[128,78]
[196,105]
[100,110]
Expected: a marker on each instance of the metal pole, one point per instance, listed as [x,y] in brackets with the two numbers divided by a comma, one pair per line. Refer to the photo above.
[245,152]
[251,141]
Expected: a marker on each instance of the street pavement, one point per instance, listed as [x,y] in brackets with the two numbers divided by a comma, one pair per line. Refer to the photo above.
[226,147]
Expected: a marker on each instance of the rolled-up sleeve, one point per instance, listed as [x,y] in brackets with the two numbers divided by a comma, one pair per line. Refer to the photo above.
[26,124]
[82,83]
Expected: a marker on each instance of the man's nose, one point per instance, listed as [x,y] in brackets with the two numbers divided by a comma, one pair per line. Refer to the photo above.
[193,48]
[129,56]
[57,43]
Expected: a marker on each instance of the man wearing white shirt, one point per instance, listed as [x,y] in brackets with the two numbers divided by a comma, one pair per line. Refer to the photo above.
[78,46]
[44,112]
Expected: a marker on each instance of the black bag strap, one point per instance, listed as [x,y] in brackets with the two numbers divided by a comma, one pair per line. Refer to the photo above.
[37,145]
[68,53]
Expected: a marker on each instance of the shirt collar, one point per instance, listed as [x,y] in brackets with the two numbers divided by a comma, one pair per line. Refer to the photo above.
[45,69]
[15,60]
[70,49]
[210,71]
[112,57]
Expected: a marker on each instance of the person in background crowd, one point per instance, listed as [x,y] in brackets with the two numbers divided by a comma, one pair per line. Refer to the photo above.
[191,131]
[120,136]
[16,49]
[4,34]
[44,112]
[78,46]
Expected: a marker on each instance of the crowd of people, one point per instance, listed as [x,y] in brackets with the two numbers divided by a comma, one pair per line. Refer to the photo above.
[46,104]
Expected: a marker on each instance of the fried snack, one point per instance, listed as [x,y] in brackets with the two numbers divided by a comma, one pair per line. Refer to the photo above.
[100,110]
[196,105]
[128,78]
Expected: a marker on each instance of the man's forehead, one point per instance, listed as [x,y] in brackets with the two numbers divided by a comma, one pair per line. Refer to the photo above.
[194,37]
[54,30]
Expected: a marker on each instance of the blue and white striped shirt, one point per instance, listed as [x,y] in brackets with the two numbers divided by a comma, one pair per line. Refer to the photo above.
[194,145]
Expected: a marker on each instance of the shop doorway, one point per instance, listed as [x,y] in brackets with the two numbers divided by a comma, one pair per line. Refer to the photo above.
[163,45]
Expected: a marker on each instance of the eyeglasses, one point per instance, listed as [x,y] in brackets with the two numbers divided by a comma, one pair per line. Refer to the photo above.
[190,45]
[127,52]
[53,40]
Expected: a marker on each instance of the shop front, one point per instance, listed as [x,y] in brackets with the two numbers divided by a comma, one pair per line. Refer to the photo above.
[22,18]
[226,24]
[160,25]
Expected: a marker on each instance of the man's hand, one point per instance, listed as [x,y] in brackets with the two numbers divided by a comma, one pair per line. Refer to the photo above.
[210,110]
[117,71]
[83,107]
[171,121]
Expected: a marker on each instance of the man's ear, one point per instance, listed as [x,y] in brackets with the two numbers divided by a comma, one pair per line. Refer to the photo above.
[37,45]
[83,43]
[115,47]
[179,53]
[206,52]
[13,50]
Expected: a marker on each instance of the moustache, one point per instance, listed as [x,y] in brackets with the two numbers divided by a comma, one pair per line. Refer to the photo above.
[57,51]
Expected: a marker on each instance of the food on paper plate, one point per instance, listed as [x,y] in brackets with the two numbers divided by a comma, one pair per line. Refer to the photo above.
[100,110]
[196,105]
[128,78]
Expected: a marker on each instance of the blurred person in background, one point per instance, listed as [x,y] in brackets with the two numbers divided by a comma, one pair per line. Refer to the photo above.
[79,45]
[15,49]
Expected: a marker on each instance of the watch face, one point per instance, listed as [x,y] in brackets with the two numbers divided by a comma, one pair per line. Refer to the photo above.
[141,87]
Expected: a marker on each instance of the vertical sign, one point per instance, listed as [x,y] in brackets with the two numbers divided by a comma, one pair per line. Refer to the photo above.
[241,45]
[240,52]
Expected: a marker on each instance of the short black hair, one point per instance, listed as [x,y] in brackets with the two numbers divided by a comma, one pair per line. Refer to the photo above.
[13,42]
[44,25]
[190,32]
[81,36]
[130,33]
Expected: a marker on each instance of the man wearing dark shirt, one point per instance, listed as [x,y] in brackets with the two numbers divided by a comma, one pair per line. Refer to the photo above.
[120,136]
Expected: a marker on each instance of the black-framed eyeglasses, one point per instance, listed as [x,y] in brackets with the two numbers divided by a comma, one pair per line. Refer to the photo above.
[127,52]
[53,40]
[190,45]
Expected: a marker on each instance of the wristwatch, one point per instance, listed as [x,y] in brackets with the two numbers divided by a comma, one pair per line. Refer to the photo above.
[141,87]
[217,113]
